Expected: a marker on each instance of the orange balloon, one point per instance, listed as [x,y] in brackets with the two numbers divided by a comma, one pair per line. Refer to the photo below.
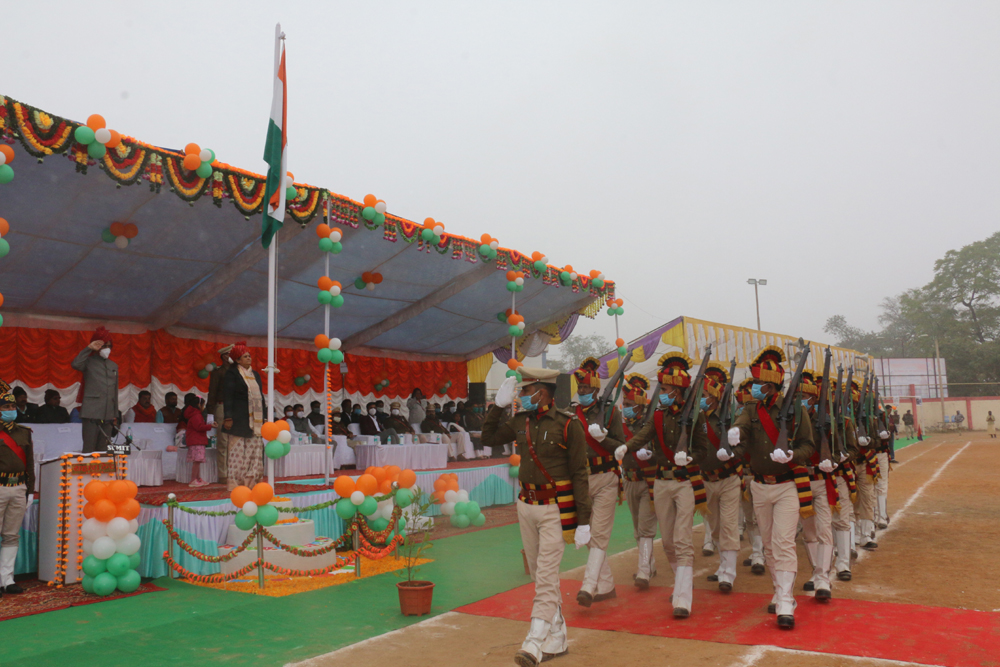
[269,431]
[438,497]
[262,493]
[485,239]
[511,275]
[105,510]
[96,122]
[8,153]
[117,228]
[385,488]
[117,491]
[429,222]
[133,488]
[344,486]
[240,495]
[512,364]
[88,511]
[1,299]
[323,230]
[392,470]
[114,140]
[4,227]
[370,200]
[453,485]
[440,484]
[128,509]
[192,161]
[282,425]
[620,342]
[95,490]
[192,149]
[321,341]
[367,484]
[324,283]
[515,459]
[131,231]
[379,475]
[407,478]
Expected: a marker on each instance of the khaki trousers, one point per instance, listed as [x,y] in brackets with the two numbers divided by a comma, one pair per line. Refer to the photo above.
[777,509]
[221,443]
[542,536]
[843,519]
[818,527]
[643,516]
[864,509]
[13,503]
[724,512]
[603,498]
[882,485]
[674,505]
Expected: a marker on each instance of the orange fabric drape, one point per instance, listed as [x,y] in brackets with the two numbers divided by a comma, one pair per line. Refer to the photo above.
[36,357]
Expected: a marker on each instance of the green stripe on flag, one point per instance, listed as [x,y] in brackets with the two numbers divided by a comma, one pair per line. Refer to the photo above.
[275,180]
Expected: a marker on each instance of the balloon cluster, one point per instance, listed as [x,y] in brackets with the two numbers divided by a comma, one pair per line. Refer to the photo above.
[253,506]
[539,262]
[374,210]
[359,496]
[291,194]
[329,292]
[597,279]
[204,365]
[444,388]
[120,234]
[455,502]
[615,307]
[97,137]
[622,349]
[432,231]
[329,350]
[6,157]
[199,160]
[110,543]
[4,249]
[302,376]
[515,465]
[516,324]
[278,436]
[368,280]
[512,366]
[515,281]
[384,384]
[488,247]
[567,276]
[329,238]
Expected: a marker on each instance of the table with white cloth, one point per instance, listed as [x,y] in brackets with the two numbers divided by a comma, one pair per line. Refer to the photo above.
[145,467]
[414,457]
[343,454]
[209,471]
[302,460]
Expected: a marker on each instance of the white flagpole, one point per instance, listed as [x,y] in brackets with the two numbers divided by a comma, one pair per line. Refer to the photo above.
[328,457]
[272,254]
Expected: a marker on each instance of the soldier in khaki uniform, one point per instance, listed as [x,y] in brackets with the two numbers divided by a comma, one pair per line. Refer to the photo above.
[17,480]
[214,406]
[639,477]
[867,473]
[673,490]
[847,492]
[395,420]
[605,476]
[553,507]
[776,499]
[721,470]
[749,520]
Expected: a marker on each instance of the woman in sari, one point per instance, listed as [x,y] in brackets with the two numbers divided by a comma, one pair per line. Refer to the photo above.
[243,405]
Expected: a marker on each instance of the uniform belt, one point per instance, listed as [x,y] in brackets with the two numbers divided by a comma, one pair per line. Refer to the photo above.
[538,494]
[635,475]
[599,464]
[679,474]
[774,479]
[718,475]
[13,478]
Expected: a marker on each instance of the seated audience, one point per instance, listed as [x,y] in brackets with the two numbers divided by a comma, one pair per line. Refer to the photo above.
[337,424]
[52,412]
[25,411]
[169,413]
[143,411]
[370,426]
[315,415]
[396,421]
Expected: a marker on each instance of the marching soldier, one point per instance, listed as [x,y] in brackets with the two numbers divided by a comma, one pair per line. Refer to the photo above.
[884,449]
[639,477]
[817,533]
[674,491]
[867,475]
[598,582]
[778,476]
[756,560]
[847,492]
[721,471]
[553,506]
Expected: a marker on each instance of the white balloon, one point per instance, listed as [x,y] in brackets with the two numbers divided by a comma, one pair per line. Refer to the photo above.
[448,509]
[104,547]
[335,343]
[463,496]
[210,367]
[128,545]
[573,275]
[519,281]
[370,287]
[3,159]
[439,229]
[102,135]
[601,276]
[545,259]
[205,155]
[450,496]
[357,498]
[118,528]
[494,244]
[289,182]
[121,242]
[93,529]
[249,508]
[335,236]
[88,547]
[520,325]
[284,437]
[335,290]
[133,526]
[307,377]
[380,207]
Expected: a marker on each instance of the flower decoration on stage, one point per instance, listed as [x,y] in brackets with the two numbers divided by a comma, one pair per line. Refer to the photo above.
[622,349]
[432,231]
[199,160]
[567,276]
[6,157]
[330,292]
[515,324]
[515,281]
[615,307]
[291,192]
[382,385]
[329,350]
[97,137]
[391,483]
[204,365]
[110,543]
[374,210]
[368,280]
[302,376]
[455,502]
[539,262]
[120,234]
[488,247]
[597,279]
[278,436]
[512,366]
[330,238]
[515,465]
[253,505]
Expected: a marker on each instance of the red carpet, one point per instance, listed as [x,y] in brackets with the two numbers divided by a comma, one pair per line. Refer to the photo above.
[914,633]
[38,598]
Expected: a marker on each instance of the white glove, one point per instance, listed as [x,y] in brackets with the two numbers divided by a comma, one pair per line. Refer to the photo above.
[734,437]
[722,454]
[781,456]
[505,395]
[843,456]
[863,440]
[826,465]
[681,459]
[643,454]
[884,435]
[597,433]
[582,537]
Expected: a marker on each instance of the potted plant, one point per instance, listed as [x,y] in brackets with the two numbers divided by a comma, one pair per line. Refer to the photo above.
[415,596]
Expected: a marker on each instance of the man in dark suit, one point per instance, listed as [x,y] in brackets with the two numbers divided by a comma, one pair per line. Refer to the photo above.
[370,425]
[98,391]
[26,412]
[52,412]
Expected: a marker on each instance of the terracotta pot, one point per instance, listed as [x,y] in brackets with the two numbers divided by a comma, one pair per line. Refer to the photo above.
[415,597]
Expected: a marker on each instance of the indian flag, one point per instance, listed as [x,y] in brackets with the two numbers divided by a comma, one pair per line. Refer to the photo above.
[276,148]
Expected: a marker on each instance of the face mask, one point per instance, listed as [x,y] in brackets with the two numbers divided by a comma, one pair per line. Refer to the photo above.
[8,415]
[666,400]
[757,391]
[528,404]
[300,414]
[704,404]
[451,410]
[805,403]
[586,399]
[629,412]
[371,411]
[357,411]
[395,413]
[288,415]
[105,352]
[337,418]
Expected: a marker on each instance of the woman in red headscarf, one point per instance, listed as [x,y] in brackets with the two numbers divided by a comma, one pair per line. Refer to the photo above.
[243,406]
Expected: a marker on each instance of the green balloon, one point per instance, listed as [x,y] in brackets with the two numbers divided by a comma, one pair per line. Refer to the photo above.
[96,150]
[564,278]
[93,566]
[623,350]
[287,446]
[6,173]
[460,508]
[213,155]
[129,582]
[1,320]
[514,330]
[379,219]
[359,282]
[267,515]
[460,520]
[511,374]
[336,356]
[502,317]
[368,507]
[107,236]
[385,383]
[325,355]
[117,565]
[204,170]
[404,498]
[324,297]
[472,510]
[4,247]
[518,288]
[291,193]
[244,522]
[84,135]
[401,532]
[427,234]
[134,560]
[540,266]
[368,213]
[378,525]
[621,310]
[345,509]
[515,471]
[338,301]
[336,247]
[493,253]
[203,374]
[436,240]
[326,245]
[611,312]
[598,283]
[479,521]
[511,286]
[88,584]
[274,449]
[299,382]
[105,584]
[484,250]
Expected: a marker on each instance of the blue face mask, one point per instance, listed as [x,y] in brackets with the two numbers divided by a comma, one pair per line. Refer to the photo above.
[757,391]
[586,399]
[527,403]
[8,415]
[704,404]
[805,403]
[666,400]
[629,412]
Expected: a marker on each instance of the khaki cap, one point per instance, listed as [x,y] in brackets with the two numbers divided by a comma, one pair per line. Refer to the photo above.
[532,375]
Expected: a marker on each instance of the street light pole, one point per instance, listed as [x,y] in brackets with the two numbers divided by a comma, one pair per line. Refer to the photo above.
[937,376]
[756,296]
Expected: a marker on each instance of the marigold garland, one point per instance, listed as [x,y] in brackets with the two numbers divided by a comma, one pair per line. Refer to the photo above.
[191,551]
[372,552]
[208,578]
[339,542]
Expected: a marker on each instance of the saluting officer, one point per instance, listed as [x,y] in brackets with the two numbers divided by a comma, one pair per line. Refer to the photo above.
[639,477]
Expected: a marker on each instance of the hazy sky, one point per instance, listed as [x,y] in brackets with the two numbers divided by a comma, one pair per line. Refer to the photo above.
[834,148]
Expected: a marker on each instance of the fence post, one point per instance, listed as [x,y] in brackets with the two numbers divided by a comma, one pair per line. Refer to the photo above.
[170,540]
[357,553]
[260,558]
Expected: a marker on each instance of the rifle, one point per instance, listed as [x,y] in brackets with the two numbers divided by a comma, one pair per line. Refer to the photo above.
[862,416]
[848,398]
[787,411]
[822,412]
[726,410]
[692,398]
[839,445]
[879,410]
[613,382]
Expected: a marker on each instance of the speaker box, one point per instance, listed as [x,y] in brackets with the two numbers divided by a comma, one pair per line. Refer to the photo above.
[477,393]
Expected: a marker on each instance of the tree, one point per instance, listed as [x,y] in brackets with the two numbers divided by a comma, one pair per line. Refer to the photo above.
[577,348]
[970,278]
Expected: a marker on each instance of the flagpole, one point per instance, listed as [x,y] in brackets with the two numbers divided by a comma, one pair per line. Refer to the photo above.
[272,255]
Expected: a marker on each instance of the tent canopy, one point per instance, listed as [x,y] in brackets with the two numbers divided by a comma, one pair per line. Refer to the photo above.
[201,266]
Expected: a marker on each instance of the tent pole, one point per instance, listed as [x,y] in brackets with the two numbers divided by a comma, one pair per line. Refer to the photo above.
[272,255]
[327,463]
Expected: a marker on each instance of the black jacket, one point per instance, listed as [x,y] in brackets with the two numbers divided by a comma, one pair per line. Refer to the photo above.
[236,401]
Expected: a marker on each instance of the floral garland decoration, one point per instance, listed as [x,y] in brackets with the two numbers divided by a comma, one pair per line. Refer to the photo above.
[191,551]
[191,510]
[79,516]
[209,578]
[339,542]
[307,573]
[374,553]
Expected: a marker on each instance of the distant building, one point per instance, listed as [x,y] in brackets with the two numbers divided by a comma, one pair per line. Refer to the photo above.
[897,376]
